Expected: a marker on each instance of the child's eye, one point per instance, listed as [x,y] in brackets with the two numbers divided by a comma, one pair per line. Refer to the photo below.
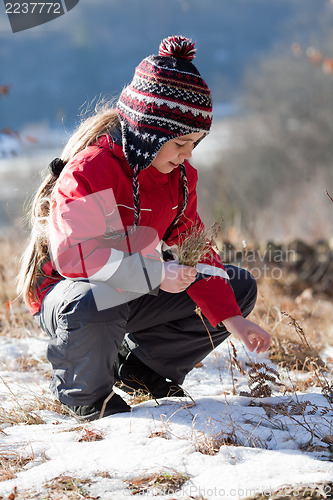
[179,145]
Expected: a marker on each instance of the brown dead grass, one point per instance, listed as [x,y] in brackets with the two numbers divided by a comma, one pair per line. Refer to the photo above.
[164,482]
[15,416]
[15,319]
[313,312]
[27,412]
[12,462]
[9,256]
[90,435]
[210,445]
[63,487]
[136,396]
[196,243]
[161,434]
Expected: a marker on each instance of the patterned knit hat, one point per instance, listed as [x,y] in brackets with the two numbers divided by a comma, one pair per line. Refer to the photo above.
[167,98]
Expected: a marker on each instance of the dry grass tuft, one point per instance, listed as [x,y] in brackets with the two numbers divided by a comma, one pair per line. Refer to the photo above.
[9,254]
[159,483]
[60,488]
[26,363]
[302,385]
[16,416]
[193,248]
[291,347]
[89,435]
[136,396]
[162,434]
[11,463]
[15,319]
[315,314]
[27,414]
[196,243]
[46,402]
[70,487]
[291,354]
[210,445]
[231,434]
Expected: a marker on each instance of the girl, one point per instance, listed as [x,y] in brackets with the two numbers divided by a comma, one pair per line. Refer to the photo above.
[101,274]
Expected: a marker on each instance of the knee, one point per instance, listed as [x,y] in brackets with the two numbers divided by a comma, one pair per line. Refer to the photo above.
[84,303]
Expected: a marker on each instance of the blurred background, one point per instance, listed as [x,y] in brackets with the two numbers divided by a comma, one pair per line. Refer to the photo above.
[268,160]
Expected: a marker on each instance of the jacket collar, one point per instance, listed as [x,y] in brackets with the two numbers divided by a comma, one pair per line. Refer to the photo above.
[149,178]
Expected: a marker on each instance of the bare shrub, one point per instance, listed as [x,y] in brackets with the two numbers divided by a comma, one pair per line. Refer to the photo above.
[262,380]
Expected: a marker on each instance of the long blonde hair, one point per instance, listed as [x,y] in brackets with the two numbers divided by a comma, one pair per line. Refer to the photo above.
[104,120]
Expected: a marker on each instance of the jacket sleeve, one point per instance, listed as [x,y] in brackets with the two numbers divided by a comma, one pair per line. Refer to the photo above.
[212,293]
[81,244]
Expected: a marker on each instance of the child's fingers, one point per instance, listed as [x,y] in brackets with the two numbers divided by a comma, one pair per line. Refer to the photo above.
[266,342]
[262,341]
[259,342]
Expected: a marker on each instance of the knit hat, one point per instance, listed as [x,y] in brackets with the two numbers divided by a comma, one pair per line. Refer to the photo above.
[167,98]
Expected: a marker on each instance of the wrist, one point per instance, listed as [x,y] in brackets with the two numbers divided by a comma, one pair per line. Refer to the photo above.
[230,322]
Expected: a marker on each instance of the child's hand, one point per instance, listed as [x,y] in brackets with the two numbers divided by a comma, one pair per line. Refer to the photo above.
[254,337]
[176,277]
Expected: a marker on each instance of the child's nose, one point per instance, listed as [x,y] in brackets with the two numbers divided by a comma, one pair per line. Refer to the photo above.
[186,153]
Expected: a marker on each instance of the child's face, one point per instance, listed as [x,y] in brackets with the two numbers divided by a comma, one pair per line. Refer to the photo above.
[174,152]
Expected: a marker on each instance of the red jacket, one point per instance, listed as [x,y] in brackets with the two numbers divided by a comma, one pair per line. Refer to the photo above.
[93,201]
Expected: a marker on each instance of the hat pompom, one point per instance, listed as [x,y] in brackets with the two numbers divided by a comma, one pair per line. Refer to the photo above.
[177,46]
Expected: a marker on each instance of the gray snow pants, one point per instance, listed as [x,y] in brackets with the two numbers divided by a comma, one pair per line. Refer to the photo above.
[163,331]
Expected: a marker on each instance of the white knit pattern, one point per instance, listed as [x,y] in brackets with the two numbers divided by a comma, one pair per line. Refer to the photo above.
[141,117]
[154,87]
[171,104]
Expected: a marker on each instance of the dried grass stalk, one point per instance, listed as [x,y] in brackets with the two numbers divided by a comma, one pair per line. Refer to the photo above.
[330,197]
[197,242]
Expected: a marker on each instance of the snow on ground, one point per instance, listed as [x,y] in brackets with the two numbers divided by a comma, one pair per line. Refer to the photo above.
[270,442]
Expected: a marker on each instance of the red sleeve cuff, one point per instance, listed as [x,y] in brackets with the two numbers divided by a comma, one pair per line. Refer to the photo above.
[215,298]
